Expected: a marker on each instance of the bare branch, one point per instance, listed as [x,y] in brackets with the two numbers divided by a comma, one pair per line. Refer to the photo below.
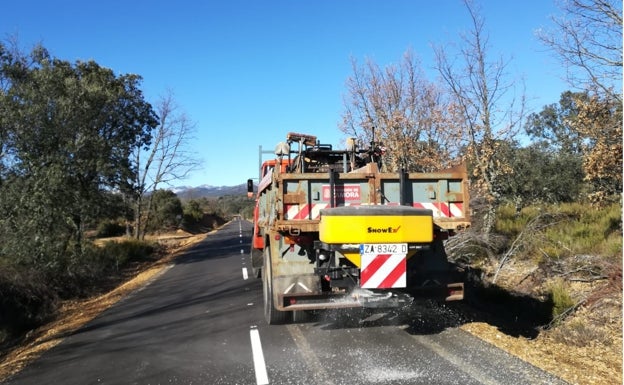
[535,225]
[168,158]
[588,38]
[410,115]
[484,97]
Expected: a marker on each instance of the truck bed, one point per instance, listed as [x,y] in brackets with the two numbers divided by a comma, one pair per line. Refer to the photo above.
[304,195]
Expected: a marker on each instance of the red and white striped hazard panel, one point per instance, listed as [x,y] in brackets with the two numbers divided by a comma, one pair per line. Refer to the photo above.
[313,211]
[305,211]
[383,271]
[442,209]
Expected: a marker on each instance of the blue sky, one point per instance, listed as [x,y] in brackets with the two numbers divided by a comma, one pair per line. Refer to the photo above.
[247,72]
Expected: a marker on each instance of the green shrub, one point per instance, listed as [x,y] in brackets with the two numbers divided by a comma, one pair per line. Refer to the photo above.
[587,230]
[613,246]
[193,212]
[26,301]
[561,299]
[96,267]
[110,228]
[120,253]
[29,297]
[511,222]
[563,230]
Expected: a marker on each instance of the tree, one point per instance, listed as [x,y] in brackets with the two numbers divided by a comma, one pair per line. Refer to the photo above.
[587,127]
[167,211]
[165,160]
[68,131]
[540,175]
[489,111]
[588,41]
[193,211]
[399,107]
[554,126]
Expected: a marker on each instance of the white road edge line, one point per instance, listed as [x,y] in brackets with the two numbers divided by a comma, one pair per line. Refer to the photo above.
[258,358]
[245,274]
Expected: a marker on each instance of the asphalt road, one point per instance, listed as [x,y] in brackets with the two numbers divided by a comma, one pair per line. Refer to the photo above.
[201,322]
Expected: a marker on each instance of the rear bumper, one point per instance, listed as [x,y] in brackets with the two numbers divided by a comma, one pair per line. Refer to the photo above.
[363,298]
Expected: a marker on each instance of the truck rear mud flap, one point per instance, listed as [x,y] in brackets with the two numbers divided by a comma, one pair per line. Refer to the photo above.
[448,292]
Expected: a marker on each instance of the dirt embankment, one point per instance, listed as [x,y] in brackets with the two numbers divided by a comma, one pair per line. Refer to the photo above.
[584,348]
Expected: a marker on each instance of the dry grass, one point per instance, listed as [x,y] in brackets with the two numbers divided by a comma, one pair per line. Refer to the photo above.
[598,362]
[585,348]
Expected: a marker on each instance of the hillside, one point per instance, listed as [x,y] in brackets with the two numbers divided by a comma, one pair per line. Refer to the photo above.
[207,191]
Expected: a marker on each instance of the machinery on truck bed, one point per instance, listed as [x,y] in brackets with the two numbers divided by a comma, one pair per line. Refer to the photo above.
[332,231]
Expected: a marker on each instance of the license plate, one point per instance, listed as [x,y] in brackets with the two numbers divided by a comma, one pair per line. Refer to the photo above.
[383,248]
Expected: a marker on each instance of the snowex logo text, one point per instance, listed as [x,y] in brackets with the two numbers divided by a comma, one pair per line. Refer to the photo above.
[383,230]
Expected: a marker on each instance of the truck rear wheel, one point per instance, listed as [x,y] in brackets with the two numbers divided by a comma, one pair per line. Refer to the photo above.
[271,314]
[256,257]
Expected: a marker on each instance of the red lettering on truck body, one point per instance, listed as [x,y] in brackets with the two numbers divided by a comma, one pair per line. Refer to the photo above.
[343,192]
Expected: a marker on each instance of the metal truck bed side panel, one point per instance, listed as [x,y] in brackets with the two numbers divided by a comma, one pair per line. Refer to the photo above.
[305,195]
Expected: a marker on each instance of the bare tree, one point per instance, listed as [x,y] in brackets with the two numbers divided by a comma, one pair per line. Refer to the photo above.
[588,37]
[167,159]
[401,108]
[490,110]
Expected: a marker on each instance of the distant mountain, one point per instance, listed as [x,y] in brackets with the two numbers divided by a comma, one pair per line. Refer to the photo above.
[207,191]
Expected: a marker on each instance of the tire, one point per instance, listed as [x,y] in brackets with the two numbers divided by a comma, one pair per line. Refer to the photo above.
[271,314]
[255,257]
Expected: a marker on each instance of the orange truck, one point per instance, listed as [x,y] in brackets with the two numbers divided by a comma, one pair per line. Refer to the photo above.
[333,231]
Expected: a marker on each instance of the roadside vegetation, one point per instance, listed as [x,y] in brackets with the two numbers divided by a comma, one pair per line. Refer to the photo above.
[32,294]
[83,156]
[84,159]
[546,185]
